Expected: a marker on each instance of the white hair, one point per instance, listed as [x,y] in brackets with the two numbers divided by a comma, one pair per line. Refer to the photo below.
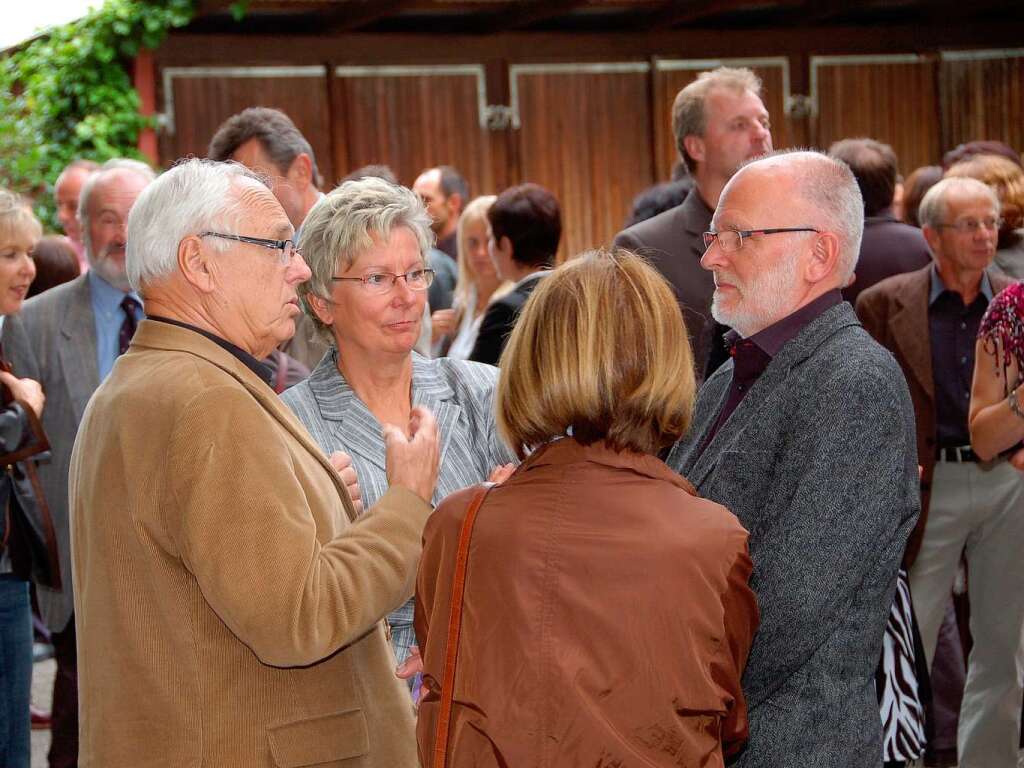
[934,208]
[341,226]
[834,198]
[116,164]
[192,197]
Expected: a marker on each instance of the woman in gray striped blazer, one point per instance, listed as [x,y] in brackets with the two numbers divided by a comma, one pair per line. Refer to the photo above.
[365,244]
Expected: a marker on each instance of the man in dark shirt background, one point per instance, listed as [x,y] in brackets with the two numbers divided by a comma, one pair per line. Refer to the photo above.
[889,247]
[929,320]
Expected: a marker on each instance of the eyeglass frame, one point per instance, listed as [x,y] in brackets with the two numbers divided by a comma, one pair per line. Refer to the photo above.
[742,233]
[430,273]
[278,245]
[965,228]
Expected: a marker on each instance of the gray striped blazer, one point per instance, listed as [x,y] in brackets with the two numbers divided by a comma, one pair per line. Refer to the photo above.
[461,396]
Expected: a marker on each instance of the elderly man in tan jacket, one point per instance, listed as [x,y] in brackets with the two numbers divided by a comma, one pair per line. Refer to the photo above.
[229,599]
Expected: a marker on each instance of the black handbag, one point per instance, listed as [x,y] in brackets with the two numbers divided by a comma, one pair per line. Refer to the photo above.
[26,526]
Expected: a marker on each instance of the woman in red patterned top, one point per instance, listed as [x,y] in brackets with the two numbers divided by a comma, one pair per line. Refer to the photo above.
[997,410]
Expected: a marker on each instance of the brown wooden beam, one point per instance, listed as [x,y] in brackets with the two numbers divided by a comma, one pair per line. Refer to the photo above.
[515,15]
[674,14]
[361,13]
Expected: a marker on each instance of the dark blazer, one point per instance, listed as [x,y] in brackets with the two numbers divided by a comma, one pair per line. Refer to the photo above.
[673,243]
[889,247]
[499,320]
[818,462]
[895,312]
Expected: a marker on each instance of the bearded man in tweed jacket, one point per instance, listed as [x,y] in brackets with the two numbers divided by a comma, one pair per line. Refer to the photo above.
[807,435]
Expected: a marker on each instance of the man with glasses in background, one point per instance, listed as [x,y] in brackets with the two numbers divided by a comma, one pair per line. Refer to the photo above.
[807,435]
[929,320]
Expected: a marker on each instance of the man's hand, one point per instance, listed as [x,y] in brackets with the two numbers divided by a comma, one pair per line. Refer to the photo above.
[26,391]
[442,323]
[412,455]
[412,666]
[342,462]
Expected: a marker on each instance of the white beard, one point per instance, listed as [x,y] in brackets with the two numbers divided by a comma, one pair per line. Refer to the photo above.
[761,303]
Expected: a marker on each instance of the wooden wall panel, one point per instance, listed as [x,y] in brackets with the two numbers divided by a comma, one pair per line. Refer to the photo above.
[411,119]
[202,103]
[585,134]
[983,97]
[893,99]
[671,76]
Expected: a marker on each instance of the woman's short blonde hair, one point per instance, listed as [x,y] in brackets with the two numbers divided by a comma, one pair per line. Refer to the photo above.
[343,225]
[600,351]
[16,218]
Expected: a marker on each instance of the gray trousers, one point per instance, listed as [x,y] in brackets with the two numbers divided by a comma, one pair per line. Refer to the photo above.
[978,509]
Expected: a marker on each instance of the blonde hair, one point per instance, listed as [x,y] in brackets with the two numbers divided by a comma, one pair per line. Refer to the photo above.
[475,211]
[16,217]
[600,349]
[1002,175]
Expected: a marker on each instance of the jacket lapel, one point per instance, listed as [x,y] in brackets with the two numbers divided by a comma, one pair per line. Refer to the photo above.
[350,420]
[759,397]
[431,390]
[76,348]
[908,326]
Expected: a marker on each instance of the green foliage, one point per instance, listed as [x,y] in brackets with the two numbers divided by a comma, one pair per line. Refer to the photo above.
[68,94]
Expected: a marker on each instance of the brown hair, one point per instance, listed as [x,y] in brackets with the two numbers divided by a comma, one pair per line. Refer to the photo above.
[530,217]
[875,168]
[1005,177]
[600,349]
[56,263]
[915,188]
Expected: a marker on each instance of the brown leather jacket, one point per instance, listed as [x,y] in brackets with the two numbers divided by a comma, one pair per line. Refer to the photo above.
[607,618]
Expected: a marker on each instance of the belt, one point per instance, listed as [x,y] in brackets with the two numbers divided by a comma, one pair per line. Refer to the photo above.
[957,454]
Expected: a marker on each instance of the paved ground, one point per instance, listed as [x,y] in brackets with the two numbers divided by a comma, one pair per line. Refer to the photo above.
[42,692]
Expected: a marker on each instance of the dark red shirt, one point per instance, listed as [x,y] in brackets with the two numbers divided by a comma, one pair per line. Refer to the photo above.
[752,355]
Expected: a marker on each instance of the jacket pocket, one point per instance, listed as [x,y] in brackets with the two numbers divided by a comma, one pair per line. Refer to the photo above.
[319,739]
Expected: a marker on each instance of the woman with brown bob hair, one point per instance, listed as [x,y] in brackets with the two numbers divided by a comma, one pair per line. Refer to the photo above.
[606,615]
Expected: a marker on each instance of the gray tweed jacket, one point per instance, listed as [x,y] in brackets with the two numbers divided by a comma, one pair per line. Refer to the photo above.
[819,462]
[461,396]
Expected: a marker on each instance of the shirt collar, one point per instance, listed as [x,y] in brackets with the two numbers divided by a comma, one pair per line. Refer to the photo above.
[773,338]
[938,287]
[108,297]
[248,360]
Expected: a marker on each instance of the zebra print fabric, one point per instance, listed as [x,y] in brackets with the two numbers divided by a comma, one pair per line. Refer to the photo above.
[898,696]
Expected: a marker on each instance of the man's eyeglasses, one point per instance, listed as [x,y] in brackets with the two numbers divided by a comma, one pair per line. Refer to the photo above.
[970,226]
[732,239]
[382,282]
[286,247]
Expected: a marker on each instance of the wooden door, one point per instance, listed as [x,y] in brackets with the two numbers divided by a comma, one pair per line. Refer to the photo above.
[983,97]
[412,118]
[894,99]
[198,99]
[583,131]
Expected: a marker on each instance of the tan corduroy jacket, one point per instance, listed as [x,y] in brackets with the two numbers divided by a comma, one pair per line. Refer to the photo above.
[228,606]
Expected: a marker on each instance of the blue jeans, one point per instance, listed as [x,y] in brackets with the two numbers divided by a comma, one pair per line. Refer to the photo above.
[15,672]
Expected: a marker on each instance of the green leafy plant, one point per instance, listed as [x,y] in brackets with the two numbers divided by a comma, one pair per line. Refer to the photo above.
[68,94]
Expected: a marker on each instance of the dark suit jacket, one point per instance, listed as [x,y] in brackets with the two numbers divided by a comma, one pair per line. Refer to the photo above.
[889,248]
[499,320]
[818,462]
[673,243]
[895,312]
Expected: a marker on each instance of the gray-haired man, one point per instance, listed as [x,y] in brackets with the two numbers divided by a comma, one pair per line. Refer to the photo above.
[807,435]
